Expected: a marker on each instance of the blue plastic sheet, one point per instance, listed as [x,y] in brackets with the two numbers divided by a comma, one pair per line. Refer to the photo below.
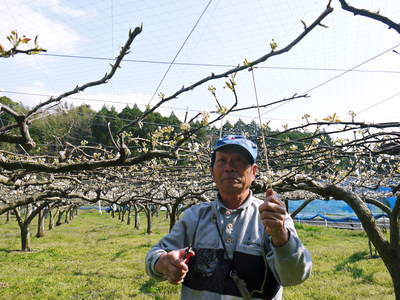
[331,210]
[334,219]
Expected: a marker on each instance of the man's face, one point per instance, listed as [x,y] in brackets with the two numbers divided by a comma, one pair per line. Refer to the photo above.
[232,172]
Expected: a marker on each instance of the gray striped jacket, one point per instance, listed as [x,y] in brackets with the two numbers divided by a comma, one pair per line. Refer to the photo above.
[264,268]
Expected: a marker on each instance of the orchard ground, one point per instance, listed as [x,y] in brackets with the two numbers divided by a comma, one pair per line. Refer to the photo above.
[99,257]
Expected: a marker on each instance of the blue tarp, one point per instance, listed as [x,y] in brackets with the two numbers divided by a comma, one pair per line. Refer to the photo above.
[331,210]
[330,219]
[391,201]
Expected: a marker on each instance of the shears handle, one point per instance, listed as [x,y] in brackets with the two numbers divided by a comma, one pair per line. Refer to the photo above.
[188,254]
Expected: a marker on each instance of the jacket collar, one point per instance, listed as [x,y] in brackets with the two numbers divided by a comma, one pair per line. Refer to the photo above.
[220,205]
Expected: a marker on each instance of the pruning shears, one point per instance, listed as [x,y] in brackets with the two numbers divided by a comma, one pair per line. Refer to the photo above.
[188,254]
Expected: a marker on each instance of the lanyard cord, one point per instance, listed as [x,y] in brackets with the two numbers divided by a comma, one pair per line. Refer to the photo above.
[193,242]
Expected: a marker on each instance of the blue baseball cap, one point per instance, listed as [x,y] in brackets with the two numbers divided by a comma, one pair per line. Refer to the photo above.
[240,141]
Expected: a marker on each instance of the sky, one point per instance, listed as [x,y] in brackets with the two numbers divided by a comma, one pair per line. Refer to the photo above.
[348,66]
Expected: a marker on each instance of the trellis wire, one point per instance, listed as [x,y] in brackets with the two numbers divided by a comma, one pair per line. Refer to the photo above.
[269,172]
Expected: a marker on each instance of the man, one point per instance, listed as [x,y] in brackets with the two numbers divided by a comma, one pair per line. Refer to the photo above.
[244,247]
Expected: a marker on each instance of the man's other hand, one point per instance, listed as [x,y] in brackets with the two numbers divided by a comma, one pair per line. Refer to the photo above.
[273,213]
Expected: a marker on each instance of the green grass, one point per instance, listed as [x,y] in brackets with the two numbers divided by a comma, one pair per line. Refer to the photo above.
[97,257]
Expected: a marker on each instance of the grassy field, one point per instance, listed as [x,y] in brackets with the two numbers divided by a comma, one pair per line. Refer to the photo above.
[97,257]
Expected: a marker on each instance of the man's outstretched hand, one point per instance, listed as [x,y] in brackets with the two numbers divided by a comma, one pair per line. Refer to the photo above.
[272,213]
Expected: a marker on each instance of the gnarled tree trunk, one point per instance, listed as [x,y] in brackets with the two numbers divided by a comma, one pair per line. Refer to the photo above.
[51,220]
[41,219]
[59,217]
[128,221]
[25,221]
[137,217]
[149,217]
